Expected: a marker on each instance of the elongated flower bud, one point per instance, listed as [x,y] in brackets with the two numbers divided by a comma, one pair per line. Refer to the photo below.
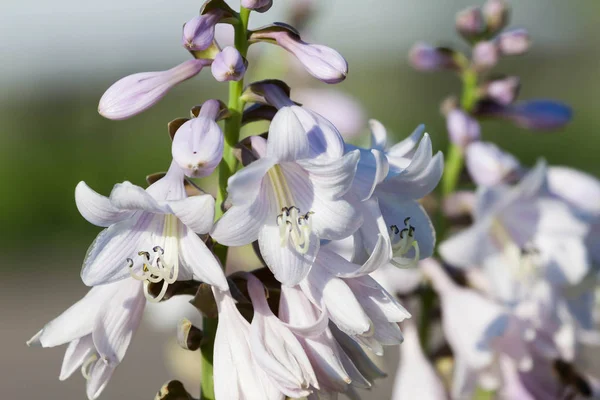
[539,115]
[485,55]
[503,91]
[470,23]
[138,92]
[198,144]
[199,32]
[322,62]
[260,6]
[424,57]
[496,13]
[514,42]
[229,65]
[462,128]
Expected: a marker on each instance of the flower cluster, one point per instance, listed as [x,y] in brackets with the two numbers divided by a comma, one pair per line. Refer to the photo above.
[322,216]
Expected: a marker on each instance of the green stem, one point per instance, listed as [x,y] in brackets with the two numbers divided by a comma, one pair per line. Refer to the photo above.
[227,167]
[452,169]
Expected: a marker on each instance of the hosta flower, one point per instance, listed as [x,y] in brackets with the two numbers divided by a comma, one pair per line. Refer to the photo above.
[275,348]
[135,93]
[488,165]
[150,235]
[98,329]
[198,143]
[229,65]
[292,196]
[199,32]
[390,181]
[236,374]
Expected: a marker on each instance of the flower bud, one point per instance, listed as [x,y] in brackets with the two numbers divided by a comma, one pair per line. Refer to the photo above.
[188,336]
[496,13]
[504,90]
[138,92]
[322,62]
[424,57]
[541,114]
[488,165]
[485,55]
[198,144]
[514,42]
[260,6]
[470,23]
[228,65]
[199,32]
[462,128]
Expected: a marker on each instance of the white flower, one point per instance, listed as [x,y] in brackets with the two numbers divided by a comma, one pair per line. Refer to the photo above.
[292,196]
[390,181]
[98,328]
[151,234]
[236,374]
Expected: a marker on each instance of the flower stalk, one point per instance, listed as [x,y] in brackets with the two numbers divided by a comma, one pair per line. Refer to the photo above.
[227,167]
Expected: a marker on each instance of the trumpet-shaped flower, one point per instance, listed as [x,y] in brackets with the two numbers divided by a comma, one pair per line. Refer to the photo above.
[99,329]
[135,93]
[236,374]
[292,196]
[150,235]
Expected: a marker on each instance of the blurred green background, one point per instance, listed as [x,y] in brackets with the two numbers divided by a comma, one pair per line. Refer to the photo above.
[59,57]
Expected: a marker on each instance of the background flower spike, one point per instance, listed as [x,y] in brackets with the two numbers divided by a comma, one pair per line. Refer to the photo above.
[173,390]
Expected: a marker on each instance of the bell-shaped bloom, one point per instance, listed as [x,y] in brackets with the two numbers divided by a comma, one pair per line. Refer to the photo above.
[514,42]
[322,62]
[416,378]
[424,57]
[392,179]
[462,128]
[503,91]
[293,195]
[198,144]
[275,348]
[228,65]
[199,32]
[470,23]
[260,6]
[321,348]
[98,329]
[150,235]
[135,93]
[341,109]
[485,55]
[488,165]
[236,374]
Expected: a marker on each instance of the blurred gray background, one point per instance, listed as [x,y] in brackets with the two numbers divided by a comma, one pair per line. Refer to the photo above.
[59,56]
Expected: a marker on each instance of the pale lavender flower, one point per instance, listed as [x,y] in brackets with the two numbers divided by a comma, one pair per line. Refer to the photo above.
[98,329]
[424,57]
[198,144]
[504,91]
[416,378]
[485,55]
[322,62]
[135,93]
[514,42]
[260,6]
[488,165]
[199,32]
[462,128]
[293,195]
[236,374]
[152,232]
[496,14]
[275,348]
[470,22]
[228,65]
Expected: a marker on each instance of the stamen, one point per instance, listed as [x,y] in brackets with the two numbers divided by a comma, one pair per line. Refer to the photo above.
[86,367]
[295,227]
[403,241]
[155,272]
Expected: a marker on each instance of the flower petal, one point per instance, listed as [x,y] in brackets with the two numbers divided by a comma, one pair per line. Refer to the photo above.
[334,219]
[100,374]
[106,259]
[378,135]
[373,168]
[128,196]
[288,265]
[244,185]
[196,212]
[288,140]
[118,320]
[404,147]
[77,353]
[241,224]
[332,177]
[97,209]
[201,261]
[466,248]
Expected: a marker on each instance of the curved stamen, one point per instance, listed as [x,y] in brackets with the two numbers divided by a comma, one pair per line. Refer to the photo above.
[86,367]
[155,271]
[403,241]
